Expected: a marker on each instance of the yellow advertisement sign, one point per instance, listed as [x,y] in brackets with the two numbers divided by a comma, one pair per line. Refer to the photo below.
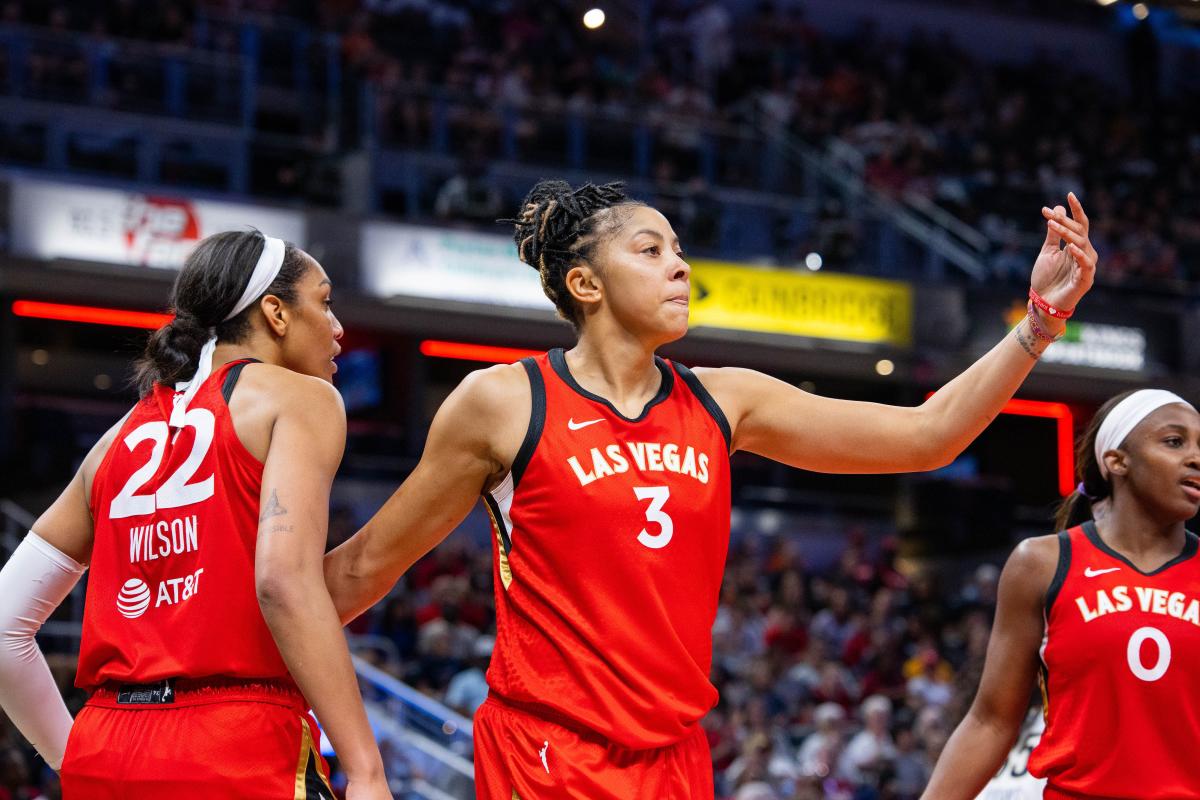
[825,306]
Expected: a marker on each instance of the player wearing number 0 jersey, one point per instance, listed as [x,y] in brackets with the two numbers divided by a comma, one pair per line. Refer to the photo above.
[1106,615]
[605,469]
[207,631]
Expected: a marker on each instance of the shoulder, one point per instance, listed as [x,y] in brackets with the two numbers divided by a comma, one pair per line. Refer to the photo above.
[1030,570]
[95,457]
[494,390]
[284,390]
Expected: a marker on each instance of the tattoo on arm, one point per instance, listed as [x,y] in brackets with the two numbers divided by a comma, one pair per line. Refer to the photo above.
[274,508]
[1026,344]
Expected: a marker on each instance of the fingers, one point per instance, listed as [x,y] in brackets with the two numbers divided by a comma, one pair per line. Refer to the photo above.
[1059,215]
[1077,211]
[1053,237]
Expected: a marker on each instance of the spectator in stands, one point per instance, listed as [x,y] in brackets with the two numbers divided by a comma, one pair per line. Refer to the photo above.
[468,689]
[871,750]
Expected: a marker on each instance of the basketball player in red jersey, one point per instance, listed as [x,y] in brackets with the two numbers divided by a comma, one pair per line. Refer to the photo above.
[1106,616]
[606,471]
[207,628]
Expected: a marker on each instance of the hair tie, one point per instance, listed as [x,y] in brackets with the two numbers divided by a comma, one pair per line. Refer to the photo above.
[1080,489]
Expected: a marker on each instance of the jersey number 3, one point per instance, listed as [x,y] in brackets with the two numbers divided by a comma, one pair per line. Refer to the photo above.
[657,495]
[175,491]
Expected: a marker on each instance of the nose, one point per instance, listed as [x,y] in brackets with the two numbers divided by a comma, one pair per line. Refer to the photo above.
[338,330]
[681,271]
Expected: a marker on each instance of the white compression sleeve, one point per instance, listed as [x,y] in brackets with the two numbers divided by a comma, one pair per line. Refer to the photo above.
[32,584]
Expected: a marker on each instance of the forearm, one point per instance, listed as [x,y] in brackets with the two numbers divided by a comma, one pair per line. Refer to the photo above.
[971,757]
[960,410]
[309,636]
[33,583]
[353,582]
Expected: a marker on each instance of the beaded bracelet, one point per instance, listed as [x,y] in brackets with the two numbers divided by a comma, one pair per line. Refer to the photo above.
[1037,329]
[1040,302]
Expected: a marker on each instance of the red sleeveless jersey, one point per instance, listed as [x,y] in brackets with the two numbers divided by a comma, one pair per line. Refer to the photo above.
[1121,698]
[611,537]
[171,587]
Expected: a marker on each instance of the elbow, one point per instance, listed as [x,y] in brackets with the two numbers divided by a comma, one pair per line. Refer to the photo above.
[277,596]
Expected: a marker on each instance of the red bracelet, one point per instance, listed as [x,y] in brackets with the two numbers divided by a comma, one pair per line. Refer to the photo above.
[1037,329]
[1040,302]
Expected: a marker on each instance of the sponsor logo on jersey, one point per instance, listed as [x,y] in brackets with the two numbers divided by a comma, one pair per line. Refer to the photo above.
[1120,599]
[133,599]
[575,426]
[1091,573]
[542,755]
[602,462]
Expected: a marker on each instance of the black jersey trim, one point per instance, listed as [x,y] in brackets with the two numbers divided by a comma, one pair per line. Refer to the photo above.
[498,518]
[706,400]
[558,361]
[1060,572]
[537,420]
[231,377]
[1190,544]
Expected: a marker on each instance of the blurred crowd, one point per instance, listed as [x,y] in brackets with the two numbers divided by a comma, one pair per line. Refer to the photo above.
[918,119]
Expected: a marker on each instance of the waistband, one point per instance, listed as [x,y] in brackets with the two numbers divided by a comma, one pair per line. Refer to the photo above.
[182,692]
[544,714]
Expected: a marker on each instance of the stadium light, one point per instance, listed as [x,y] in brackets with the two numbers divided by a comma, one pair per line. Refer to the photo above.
[91,315]
[475,352]
[593,19]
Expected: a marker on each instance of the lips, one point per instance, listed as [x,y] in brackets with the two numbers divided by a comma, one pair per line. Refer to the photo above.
[1191,487]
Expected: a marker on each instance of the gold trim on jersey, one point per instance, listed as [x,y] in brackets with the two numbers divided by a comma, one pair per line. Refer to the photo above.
[505,570]
[307,752]
[1041,675]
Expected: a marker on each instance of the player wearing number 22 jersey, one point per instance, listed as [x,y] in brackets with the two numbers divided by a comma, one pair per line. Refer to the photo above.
[635,512]
[1120,657]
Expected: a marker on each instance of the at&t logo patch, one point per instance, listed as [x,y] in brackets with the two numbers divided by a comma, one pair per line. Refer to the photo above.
[133,599]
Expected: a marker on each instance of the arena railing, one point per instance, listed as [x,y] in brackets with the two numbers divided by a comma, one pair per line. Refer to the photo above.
[427,746]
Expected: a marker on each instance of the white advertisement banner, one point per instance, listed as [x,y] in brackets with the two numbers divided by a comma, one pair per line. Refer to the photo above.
[58,220]
[448,265]
[1091,344]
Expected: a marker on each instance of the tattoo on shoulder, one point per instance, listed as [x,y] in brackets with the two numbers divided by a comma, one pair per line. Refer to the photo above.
[274,508]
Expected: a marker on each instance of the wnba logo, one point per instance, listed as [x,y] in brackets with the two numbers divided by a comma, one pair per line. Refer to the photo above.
[133,599]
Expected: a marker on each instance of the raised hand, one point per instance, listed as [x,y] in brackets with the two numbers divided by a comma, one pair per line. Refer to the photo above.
[1063,275]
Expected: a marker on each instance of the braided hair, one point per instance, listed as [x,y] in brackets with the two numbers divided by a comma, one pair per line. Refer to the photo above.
[559,226]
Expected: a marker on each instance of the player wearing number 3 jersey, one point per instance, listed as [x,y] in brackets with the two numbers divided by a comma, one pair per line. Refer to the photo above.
[1106,616]
[207,630]
[606,471]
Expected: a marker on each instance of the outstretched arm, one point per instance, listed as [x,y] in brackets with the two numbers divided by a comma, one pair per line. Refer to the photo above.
[781,422]
[472,443]
[982,740]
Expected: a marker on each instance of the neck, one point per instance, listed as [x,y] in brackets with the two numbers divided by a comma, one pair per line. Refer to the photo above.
[616,366]
[253,347]
[1134,529]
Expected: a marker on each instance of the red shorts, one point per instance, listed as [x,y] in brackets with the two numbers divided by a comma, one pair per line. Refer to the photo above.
[239,740]
[519,755]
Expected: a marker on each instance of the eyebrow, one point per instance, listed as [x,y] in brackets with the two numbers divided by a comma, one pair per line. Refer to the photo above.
[325,282]
[655,234]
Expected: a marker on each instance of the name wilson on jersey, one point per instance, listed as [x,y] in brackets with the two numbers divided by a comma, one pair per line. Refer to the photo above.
[1149,601]
[648,456]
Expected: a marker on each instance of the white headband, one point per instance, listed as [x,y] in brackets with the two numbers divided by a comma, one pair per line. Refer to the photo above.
[1126,415]
[265,273]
